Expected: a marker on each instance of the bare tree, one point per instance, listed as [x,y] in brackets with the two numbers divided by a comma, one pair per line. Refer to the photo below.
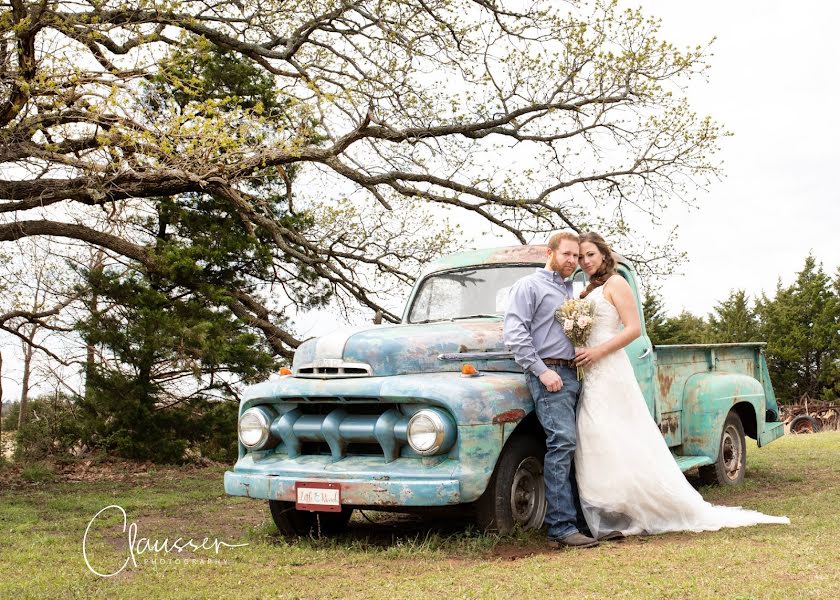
[35,292]
[528,119]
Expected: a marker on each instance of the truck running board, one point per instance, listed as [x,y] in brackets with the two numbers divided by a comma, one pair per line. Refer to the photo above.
[687,462]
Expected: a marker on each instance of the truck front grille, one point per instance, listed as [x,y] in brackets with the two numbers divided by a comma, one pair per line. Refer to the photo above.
[342,430]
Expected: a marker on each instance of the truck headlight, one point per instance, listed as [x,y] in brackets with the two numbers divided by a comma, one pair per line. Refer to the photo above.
[430,432]
[254,428]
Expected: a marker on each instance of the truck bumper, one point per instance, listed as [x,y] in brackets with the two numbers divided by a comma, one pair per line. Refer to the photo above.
[771,432]
[364,481]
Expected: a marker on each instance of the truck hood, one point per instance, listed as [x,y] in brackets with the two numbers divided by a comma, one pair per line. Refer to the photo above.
[403,349]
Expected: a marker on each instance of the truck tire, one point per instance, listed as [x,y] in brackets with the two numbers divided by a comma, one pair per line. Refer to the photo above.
[516,492]
[731,463]
[804,424]
[291,522]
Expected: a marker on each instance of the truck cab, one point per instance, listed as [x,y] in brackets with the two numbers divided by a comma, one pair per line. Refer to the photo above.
[433,413]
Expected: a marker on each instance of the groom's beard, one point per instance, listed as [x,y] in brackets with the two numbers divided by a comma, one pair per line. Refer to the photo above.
[562,268]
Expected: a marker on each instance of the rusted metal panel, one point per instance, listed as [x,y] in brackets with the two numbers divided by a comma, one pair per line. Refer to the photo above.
[402,349]
[509,416]
[670,424]
[708,399]
[680,372]
[770,432]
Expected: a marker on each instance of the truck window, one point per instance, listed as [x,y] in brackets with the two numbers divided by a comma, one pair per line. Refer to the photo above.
[465,293]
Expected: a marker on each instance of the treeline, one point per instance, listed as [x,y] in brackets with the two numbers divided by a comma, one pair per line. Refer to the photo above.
[800,323]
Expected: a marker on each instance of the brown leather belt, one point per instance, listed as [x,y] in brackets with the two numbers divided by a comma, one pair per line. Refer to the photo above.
[558,362]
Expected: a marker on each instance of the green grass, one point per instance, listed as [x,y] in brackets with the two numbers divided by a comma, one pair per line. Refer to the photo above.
[42,525]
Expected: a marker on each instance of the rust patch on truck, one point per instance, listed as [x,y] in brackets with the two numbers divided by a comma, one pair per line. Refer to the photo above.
[519,254]
[668,425]
[665,382]
[510,416]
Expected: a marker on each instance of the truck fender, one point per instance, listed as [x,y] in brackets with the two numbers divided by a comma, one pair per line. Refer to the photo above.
[479,462]
[524,426]
[707,399]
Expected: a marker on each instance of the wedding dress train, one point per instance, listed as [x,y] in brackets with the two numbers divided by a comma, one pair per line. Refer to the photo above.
[627,479]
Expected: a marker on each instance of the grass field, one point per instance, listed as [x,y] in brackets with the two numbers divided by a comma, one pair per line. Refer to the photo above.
[44,514]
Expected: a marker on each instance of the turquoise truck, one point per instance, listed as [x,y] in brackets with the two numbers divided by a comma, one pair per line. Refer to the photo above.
[433,414]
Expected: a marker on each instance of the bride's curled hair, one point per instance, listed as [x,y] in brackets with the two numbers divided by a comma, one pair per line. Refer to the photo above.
[607,268]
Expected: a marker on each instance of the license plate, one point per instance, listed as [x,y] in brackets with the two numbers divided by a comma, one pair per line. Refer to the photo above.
[317,495]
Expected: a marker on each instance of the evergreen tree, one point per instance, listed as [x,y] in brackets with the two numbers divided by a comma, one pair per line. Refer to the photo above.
[663,330]
[686,328]
[656,321]
[169,339]
[801,325]
[167,358]
[733,320]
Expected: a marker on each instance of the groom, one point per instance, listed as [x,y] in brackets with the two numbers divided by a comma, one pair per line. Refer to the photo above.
[542,349]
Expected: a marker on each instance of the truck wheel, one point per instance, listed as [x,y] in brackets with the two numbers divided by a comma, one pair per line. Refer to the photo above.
[516,492]
[804,424]
[731,462]
[300,523]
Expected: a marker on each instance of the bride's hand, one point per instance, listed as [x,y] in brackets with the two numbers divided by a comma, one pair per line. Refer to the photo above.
[584,357]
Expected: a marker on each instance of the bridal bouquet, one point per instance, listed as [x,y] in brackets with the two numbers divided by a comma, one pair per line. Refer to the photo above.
[576,318]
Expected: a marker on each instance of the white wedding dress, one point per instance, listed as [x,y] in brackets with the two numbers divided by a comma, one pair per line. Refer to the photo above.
[627,479]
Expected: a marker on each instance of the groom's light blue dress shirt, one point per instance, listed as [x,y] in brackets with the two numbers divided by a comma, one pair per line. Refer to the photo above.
[530,330]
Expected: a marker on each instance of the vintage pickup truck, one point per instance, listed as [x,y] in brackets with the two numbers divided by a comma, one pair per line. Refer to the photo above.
[434,413]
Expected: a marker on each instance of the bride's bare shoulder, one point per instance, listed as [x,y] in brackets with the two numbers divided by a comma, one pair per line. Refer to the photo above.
[615,288]
[615,282]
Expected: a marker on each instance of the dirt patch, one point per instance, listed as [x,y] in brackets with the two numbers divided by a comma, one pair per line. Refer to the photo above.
[382,529]
[226,519]
[98,469]
[519,551]
[126,471]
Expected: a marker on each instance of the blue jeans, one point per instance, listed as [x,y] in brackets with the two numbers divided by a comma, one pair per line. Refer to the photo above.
[556,412]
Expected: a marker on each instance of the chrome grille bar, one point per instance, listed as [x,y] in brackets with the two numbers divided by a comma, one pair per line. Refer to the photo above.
[329,368]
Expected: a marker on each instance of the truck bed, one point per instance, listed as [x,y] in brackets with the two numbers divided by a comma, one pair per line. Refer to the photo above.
[678,370]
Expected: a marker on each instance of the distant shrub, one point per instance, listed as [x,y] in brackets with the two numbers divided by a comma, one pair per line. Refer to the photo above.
[37,473]
[122,425]
[123,418]
[52,428]
[11,413]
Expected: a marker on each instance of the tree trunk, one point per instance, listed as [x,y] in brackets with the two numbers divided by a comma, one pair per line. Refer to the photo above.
[24,384]
[2,446]
[91,356]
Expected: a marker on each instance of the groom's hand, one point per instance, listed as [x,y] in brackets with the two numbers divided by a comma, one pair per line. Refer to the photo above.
[551,380]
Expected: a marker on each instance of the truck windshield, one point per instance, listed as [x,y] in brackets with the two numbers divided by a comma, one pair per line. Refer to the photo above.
[462,294]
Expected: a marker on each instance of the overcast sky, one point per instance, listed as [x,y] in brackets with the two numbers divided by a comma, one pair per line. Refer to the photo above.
[773,82]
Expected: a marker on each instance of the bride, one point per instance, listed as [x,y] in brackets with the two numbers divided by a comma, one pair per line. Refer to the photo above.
[627,479]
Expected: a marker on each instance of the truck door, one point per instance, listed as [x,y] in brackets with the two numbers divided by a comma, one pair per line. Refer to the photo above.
[640,351]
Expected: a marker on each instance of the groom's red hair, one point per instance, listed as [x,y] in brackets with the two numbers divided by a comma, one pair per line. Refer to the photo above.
[554,240]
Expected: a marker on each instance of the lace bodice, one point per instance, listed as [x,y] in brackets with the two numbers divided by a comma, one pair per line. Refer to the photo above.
[607,322]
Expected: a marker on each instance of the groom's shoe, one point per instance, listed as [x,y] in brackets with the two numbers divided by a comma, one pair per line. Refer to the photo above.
[611,536]
[576,540]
